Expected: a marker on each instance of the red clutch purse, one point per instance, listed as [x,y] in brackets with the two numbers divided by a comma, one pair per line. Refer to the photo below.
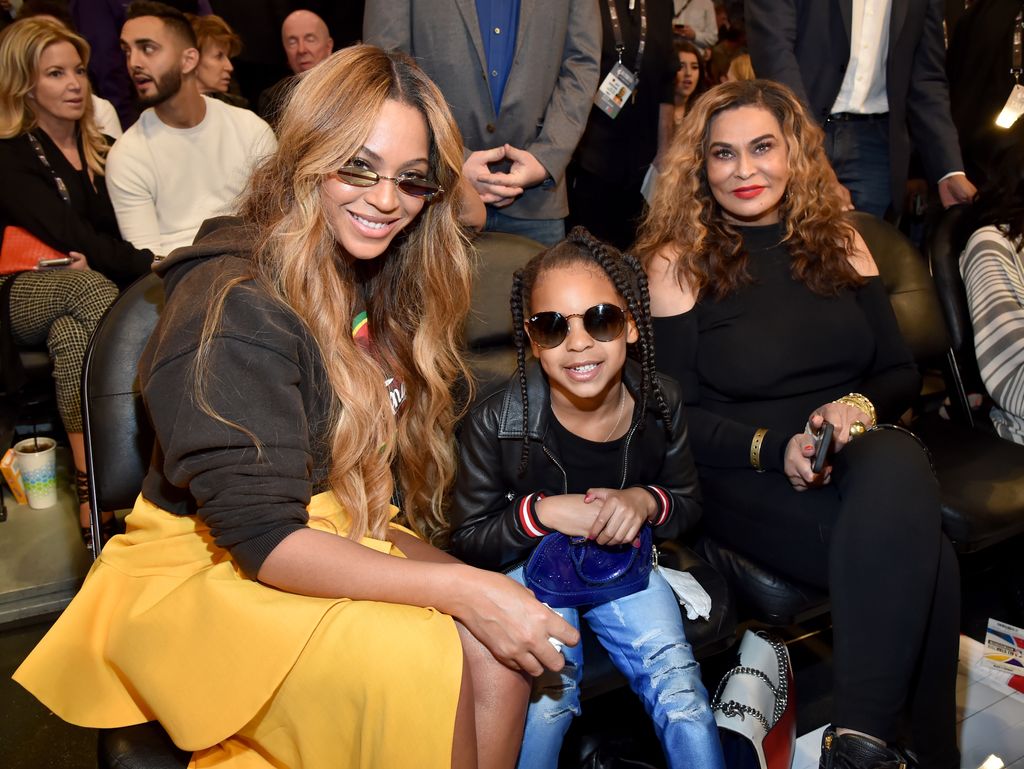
[21,251]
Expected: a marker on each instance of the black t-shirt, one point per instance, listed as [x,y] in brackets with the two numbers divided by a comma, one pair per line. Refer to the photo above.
[588,464]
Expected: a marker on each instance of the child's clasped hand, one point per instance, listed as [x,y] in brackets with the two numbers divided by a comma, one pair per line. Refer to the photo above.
[620,515]
[607,516]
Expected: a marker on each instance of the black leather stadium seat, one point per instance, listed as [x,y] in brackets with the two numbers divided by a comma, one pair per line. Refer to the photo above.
[981,476]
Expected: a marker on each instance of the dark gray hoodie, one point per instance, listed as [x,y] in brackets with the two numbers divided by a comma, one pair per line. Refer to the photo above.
[264,373]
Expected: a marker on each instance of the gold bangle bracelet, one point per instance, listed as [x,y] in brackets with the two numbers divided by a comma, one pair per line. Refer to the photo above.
[755,448]
[862,403]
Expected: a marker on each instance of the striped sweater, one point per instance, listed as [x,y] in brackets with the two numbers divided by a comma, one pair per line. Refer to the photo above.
[994,276]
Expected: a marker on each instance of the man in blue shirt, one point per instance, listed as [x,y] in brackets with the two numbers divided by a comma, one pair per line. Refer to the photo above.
[523,116]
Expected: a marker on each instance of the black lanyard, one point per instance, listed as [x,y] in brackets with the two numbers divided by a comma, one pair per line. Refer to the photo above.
[1018,32]
[620,46]
[61,187]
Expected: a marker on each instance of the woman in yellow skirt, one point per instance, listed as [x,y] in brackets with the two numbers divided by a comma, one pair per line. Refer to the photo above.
[263,605]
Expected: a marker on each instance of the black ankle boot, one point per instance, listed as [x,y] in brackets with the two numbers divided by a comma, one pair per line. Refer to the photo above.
[851,751]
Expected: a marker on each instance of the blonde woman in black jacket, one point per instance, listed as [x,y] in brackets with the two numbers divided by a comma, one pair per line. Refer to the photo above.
[52,161]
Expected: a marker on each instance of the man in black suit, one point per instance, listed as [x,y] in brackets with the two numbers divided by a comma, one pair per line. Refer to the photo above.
[980,70]
[872,72]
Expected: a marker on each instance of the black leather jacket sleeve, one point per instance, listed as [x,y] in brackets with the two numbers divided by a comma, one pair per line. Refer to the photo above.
[486,528]
[492,513]
[678,474]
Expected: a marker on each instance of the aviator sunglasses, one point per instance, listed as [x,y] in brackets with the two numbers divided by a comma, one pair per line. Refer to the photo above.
[604,322]
[412,185]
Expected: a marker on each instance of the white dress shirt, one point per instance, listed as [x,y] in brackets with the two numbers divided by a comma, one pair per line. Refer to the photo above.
[863,89]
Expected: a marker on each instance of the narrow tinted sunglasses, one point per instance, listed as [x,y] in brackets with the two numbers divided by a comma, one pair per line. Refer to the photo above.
[411,184]
[604,322]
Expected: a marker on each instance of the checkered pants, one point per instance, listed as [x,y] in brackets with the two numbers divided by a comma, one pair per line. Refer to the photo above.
[62,308]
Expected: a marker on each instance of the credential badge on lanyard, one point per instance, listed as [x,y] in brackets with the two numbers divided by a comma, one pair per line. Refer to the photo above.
[620,82]
[1014,107]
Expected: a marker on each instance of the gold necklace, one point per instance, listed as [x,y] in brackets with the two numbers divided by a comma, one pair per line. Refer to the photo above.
[618,417]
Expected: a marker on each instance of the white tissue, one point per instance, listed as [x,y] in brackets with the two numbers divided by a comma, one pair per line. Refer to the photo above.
[691,595]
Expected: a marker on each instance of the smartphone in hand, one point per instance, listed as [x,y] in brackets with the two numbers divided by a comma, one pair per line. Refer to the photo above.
[61,261]
[822,444]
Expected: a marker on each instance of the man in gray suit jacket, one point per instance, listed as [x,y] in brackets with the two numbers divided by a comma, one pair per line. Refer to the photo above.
[520,82]
[871,98]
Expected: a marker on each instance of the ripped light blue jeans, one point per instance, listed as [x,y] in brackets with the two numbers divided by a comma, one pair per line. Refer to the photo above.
[643,633]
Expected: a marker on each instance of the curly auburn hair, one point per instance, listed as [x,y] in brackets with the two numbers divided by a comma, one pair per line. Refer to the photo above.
[213,30]
[630,281]
[686,224]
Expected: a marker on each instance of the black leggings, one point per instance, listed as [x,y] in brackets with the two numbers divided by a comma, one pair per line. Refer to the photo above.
[873,538]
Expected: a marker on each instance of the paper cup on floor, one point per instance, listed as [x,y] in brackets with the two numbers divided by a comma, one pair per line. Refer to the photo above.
[37,461]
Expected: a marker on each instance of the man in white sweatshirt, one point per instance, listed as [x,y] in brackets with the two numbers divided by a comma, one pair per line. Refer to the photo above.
[188,157]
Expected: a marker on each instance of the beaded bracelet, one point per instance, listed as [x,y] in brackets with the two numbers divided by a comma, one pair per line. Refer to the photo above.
[755,448]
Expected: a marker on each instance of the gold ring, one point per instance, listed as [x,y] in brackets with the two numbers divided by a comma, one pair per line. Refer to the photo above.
[857,429]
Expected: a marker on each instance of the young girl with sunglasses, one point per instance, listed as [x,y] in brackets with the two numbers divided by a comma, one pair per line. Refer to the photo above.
[590,442]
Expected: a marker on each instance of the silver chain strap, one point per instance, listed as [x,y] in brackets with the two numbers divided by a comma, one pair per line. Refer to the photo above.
[733,708]
[780,692]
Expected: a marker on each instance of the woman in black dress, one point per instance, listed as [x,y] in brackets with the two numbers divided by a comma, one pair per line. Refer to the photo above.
[772,317]
[51,162]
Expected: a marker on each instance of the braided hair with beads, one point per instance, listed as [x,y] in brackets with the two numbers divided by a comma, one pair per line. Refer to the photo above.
[630,281]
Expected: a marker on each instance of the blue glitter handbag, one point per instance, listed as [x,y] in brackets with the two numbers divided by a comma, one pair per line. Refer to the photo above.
[565,571]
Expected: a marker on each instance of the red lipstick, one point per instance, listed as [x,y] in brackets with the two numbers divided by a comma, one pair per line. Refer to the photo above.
[746,193]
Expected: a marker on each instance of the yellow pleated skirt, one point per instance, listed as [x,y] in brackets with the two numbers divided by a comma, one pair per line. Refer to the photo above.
[167,628]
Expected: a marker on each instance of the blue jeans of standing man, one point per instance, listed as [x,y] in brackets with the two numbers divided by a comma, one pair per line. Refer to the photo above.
[545,231]
[859,151]
[643,633]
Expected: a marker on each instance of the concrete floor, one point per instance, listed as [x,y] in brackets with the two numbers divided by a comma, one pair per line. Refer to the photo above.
[30,736]
[42,564]
[42,558]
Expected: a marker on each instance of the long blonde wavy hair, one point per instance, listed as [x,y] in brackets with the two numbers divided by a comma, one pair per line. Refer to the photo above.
[21,46]
[685,220]
[417,294]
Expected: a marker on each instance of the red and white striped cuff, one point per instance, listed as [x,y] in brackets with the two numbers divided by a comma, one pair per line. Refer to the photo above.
[526,510]
[664,504]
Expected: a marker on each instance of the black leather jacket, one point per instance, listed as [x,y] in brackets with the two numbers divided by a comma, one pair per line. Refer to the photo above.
[493,525]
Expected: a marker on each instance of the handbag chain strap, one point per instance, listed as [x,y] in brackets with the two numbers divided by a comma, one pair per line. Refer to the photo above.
[732,709]
[780,692]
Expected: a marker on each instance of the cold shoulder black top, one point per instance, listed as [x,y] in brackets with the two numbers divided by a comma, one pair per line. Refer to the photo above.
[771,352]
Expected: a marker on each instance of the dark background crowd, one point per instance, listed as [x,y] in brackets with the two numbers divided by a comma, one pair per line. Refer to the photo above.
[978,66]
[625,117]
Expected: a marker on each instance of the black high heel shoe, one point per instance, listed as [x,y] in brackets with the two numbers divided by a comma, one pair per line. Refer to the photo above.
[108,528]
